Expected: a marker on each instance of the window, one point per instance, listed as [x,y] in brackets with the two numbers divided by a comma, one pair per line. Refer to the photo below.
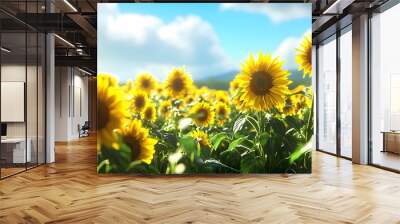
[327,96]
[346,93]
[385,89]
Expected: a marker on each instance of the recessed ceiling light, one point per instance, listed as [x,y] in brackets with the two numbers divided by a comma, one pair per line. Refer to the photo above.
[5,50]
[70,5]
[84,71]
[64,40]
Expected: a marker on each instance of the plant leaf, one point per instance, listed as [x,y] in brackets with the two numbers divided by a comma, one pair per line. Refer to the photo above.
[239,124]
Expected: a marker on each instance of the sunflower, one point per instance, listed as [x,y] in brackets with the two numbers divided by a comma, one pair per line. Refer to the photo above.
[108,79]
[304,55]
[189,99]
[222,96]
[233,86]
[149,112]
[263,83]
[139,101]
[309,93]
[178,82]
[128,86]
[112,110]
[138,140]
[203,90]
[202,114]
[165,108]
[303,101]
[179,104]
[291,106]
[222,111]
[201,137]
[145,82]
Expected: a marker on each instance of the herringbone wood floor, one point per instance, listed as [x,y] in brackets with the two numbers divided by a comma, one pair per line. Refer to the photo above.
[70,191]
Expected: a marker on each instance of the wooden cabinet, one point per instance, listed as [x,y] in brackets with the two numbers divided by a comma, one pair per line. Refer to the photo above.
[391,142]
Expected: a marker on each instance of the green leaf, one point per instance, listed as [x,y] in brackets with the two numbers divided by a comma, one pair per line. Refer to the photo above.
[126,153]
[133,164]
[254,123]
[102,164]
[170,139]
[252,164]
[235,143]
[264,138]
[239,124]
[310,124]
[217,139]
[214,162]
[299,151]
[188,144]
[278,126]
[231,158]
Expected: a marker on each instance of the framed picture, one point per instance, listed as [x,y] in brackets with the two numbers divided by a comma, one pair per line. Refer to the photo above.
[189,88]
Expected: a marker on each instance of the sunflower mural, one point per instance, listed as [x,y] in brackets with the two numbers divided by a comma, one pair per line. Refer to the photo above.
[172,109]
[304,55]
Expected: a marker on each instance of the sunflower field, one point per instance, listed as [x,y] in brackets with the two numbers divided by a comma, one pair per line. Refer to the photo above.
[259,125]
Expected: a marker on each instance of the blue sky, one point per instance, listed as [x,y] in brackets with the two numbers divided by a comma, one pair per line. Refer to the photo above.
[208,39]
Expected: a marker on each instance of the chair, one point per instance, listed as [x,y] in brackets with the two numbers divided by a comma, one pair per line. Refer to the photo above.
[84,130]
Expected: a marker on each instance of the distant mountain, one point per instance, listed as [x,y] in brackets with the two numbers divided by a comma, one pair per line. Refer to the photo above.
[222,80]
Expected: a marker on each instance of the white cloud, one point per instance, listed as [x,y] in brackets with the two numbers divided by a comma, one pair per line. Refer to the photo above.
[277,12]
[287,50]
[147,43]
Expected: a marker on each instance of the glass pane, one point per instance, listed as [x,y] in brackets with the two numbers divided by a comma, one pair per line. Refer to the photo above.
[327,96]
[13,86]
[346,94]
[385,89]
[31,97]
[314,84]
[41,98]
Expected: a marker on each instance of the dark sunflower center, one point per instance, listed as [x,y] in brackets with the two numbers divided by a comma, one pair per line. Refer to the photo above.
[202,115]
[164,109]
[222,111]
[201,140]
[146,83]
[148,113]
[261,83]
[139,102]
[309,55]
[177,84]
[135,146]
[104,115]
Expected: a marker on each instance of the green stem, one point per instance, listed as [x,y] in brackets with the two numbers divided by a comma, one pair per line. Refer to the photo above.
[260,121]
[311,114]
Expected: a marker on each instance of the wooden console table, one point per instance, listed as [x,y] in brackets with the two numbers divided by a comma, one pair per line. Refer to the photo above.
[391,141]
[13,150]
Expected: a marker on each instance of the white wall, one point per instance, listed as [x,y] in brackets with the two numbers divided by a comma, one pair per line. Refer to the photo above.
[71,94]
[61,103]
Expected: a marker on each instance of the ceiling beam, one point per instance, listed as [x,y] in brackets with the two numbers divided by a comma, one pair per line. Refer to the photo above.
[80,61]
